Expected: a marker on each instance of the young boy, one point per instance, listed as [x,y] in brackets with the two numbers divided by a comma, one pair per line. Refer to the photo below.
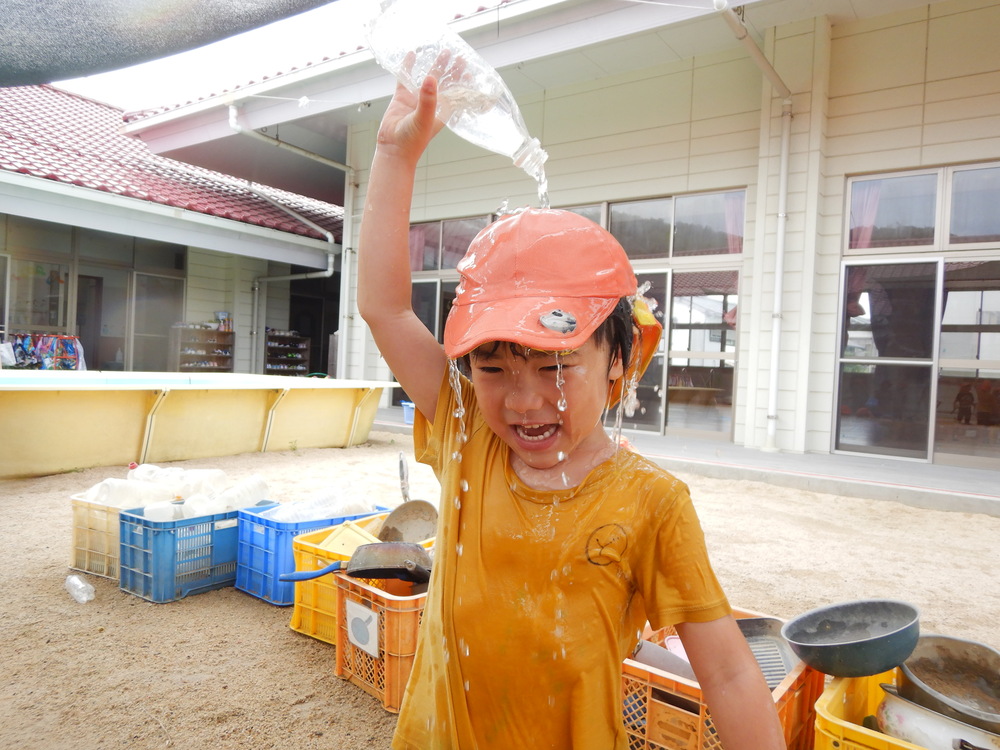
[554,547]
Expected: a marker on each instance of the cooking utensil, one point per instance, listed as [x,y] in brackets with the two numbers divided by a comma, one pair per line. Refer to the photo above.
[773,653]
[404,477]
[402,560]
[910,722]
[955,677]
[856,638]
[413,521]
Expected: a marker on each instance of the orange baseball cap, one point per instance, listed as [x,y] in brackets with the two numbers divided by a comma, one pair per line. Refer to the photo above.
[545,279]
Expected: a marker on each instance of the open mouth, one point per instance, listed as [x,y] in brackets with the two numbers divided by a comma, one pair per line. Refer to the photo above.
[535,433]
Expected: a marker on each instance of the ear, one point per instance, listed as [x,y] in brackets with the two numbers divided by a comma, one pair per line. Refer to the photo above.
[616,369]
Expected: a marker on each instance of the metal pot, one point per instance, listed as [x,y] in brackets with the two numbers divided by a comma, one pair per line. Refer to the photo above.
[403,560]
[955,677]
[854,639]
[907,721]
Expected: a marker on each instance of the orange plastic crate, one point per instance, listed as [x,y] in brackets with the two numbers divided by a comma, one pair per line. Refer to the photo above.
[666,712]
[379,656]
[314,611]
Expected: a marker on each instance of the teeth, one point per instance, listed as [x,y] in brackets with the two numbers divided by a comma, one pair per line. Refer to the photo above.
[549,432]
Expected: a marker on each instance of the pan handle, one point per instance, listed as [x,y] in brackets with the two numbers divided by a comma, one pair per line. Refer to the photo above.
[308,575]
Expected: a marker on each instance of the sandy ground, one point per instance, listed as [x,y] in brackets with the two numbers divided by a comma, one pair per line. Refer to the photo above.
[223,669]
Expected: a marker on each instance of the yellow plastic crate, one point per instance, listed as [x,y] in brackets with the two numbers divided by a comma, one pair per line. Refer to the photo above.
[96,546]
[666,712]
[314,612]
[842,708]
[377,636]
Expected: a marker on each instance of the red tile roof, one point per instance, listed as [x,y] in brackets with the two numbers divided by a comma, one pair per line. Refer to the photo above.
[56,135]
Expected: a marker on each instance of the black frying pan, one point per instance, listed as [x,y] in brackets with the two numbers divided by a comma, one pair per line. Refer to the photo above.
[403,560]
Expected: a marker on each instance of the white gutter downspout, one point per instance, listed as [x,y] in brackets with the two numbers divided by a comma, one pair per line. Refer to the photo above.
[771,74]
[347,231]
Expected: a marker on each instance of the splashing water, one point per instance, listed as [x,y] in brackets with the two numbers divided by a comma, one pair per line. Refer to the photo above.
[455,381]
[560,383]
[543,188]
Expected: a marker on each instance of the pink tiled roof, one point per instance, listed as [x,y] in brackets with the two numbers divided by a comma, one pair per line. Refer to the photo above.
[56,135]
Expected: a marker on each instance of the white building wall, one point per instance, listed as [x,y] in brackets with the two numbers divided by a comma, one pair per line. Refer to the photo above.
[900,91]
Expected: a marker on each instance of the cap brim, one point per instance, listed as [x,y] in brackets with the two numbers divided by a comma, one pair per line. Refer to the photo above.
[519,321]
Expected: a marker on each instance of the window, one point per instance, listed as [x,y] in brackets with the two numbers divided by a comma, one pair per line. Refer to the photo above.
[438,245]
[975,196]
[919,368]
[684,225]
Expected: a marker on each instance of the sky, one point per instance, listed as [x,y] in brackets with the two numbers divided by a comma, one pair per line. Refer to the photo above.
[306,38]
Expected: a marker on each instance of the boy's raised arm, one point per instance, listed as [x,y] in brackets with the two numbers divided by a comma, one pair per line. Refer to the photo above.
[384,286]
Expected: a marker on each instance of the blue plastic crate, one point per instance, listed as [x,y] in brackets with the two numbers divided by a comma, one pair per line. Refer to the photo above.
[163,561]
[264,552]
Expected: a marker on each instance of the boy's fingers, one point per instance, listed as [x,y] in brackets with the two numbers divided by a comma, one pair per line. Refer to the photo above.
[427,101]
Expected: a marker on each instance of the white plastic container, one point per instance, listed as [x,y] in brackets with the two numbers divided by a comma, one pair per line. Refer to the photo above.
[473,100]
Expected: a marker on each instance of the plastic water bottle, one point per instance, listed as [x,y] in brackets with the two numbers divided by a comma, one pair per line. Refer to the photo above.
[79,589]
[473,100]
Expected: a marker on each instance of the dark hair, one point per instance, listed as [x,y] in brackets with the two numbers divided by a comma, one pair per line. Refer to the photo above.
[615,332]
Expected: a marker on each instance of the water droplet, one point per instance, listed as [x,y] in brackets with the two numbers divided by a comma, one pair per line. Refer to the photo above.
[458,502]
[466,686]
[464,484]
[458,549]
[560,456]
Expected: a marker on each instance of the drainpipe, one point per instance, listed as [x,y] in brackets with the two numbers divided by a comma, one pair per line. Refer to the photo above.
[347,231]
[743,36]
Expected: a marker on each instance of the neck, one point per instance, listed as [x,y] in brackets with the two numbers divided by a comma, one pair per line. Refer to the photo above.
[568,473]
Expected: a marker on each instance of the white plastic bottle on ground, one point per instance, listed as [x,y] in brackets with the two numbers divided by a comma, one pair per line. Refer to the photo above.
[473,99]
[79,589]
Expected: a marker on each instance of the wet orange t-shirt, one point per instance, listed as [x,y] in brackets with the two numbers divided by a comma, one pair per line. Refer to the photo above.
[536,597]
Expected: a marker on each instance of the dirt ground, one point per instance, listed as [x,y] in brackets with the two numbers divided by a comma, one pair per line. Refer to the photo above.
[223,669]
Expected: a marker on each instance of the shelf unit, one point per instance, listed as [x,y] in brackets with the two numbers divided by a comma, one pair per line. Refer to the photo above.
[200,350]
[287,354]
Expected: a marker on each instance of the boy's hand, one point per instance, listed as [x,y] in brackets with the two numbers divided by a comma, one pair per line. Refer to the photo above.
[409,123]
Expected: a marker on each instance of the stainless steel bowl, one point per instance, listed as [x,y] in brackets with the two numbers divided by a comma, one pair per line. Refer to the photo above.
[955,677]
[855,639]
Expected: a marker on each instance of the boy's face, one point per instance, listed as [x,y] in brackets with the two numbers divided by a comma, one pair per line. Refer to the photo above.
[519,395]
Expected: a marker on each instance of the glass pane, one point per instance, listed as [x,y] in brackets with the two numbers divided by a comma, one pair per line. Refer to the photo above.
[970,326]
[159,303]
[893,211]
[889,311]
[648,412]
[702,319]
[643,227]
[38,236]
[101,312]
[151,255]
[38,294]
[423,297]
[967,415]
[425,241]
[456,235]
[447,299]
[709,224]
[116,248]
[883,409]
[588,212]
[975,194]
